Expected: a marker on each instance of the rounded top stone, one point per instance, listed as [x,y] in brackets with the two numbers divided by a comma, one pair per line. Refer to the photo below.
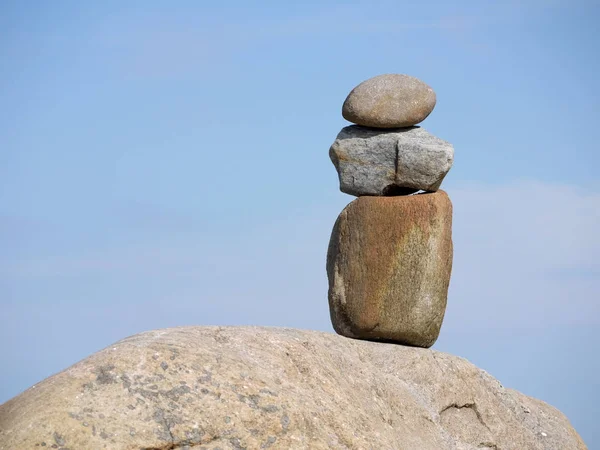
[389,101]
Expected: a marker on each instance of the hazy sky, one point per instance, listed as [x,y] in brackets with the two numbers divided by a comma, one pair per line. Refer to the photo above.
[167,164]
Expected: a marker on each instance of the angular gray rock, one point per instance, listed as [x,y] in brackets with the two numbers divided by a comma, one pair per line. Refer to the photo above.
[267,388]
[389,101]
[389,162]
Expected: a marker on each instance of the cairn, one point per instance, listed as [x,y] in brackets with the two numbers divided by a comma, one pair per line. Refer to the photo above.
[390,253]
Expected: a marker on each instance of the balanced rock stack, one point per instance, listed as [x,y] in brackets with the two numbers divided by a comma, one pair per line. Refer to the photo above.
[390,254]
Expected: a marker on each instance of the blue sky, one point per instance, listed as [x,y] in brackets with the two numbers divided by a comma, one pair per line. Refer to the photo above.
[168,165]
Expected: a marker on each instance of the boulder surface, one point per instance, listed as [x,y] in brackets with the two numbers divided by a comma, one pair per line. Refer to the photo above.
[389,263]
[258,388]
[389,101]
[389,162]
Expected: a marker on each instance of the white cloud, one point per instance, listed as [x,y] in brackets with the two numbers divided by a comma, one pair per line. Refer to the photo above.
[525,256]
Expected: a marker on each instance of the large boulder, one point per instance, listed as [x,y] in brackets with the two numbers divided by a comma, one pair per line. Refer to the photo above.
[389,101]
[389,162]
[389,263]
[252,388]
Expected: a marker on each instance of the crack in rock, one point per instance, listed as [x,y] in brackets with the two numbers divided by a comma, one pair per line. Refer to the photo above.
[488,445]
[183,445]
[472,406]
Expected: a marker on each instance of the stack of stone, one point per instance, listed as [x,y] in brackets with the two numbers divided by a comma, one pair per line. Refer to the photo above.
[390,253]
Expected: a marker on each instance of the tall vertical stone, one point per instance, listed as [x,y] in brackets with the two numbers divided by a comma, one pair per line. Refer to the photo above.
[389,263]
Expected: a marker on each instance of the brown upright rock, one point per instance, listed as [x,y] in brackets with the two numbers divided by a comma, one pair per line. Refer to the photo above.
[389,264]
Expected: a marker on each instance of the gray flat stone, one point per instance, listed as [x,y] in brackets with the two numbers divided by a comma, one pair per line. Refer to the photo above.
[390,162]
